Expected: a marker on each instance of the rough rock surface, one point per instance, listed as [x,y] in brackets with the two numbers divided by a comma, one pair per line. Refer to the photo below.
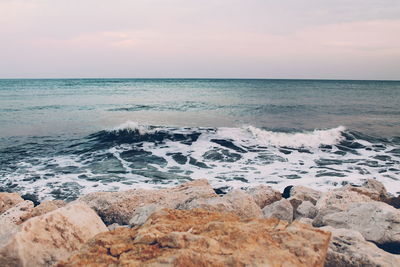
[305,210]
[236,201]
[264,195]
[46,239]
[373,189]
[43,208]
[340,199]
[203,238]
[16,214]
[119,207]
[305,194]
[8,200]
[281,209]
[142,213]
[376,221]
[348,248]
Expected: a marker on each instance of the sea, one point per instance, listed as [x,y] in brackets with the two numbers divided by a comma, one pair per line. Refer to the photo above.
[61,138]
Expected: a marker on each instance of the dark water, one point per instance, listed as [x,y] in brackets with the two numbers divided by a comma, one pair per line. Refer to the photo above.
[62,138]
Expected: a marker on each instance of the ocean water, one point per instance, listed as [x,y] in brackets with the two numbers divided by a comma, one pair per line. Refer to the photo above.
[60,138]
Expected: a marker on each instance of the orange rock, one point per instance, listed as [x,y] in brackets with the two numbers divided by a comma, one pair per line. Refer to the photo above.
[202,238]
[119,207]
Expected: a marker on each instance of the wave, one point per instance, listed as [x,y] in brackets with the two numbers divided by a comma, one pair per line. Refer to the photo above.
[249,135]
[313,139]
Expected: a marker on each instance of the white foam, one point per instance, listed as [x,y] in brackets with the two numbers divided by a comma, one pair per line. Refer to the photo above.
[132,126]
[312,139]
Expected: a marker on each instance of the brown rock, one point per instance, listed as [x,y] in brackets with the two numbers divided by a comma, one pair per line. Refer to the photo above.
[8,200]
[264,195]
[236,201]
[46,239]
[202,238]
[119,207]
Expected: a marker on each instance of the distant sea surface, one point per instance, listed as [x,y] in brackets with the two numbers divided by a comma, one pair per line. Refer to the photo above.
[60,138]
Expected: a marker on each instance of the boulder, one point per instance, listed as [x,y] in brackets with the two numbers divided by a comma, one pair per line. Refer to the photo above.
[236,201]
[43,208]
[202,238]
[142,213]
[46,239]
[305,194]
[348,248]
[340,199]
[335,201]
[371,188]
[264,195]
[281,209]
[119,207]
[376,221]
[16,214]
[305,210]
[8,200]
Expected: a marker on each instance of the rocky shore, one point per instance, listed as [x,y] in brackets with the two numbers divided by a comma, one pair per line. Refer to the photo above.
[196,225]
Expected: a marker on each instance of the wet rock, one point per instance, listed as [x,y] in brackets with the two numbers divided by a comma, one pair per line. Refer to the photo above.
[236,201]
[263,195]
[46,239]
[376,221]
[119,207]
[8,200]
[348,248]
[281,209]
[201,238]
[306,210]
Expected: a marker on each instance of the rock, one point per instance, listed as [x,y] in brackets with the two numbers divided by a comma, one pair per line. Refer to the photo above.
[43,208]
[306,210]
[16,214]
[236,201]
[393,201]
[376,221]
[371,188]
[141,214]
[114,226]
[305,194]
[348,248]
[201,238]
[340,199]
[304,220]
[46,239]
[119,207]
[281,209]
[264,195]
[9,200]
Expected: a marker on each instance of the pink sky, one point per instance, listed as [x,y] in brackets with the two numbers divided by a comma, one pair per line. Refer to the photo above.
[333,39]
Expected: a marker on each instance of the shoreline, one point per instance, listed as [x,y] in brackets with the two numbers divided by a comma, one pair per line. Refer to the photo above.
[351,226]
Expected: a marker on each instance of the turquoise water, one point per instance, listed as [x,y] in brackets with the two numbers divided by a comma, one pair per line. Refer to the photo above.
[61,138]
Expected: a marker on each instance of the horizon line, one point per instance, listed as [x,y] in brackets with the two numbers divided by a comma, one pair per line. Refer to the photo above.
[201,78]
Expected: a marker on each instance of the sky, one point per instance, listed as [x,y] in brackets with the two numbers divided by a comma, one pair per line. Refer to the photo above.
[298,39]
